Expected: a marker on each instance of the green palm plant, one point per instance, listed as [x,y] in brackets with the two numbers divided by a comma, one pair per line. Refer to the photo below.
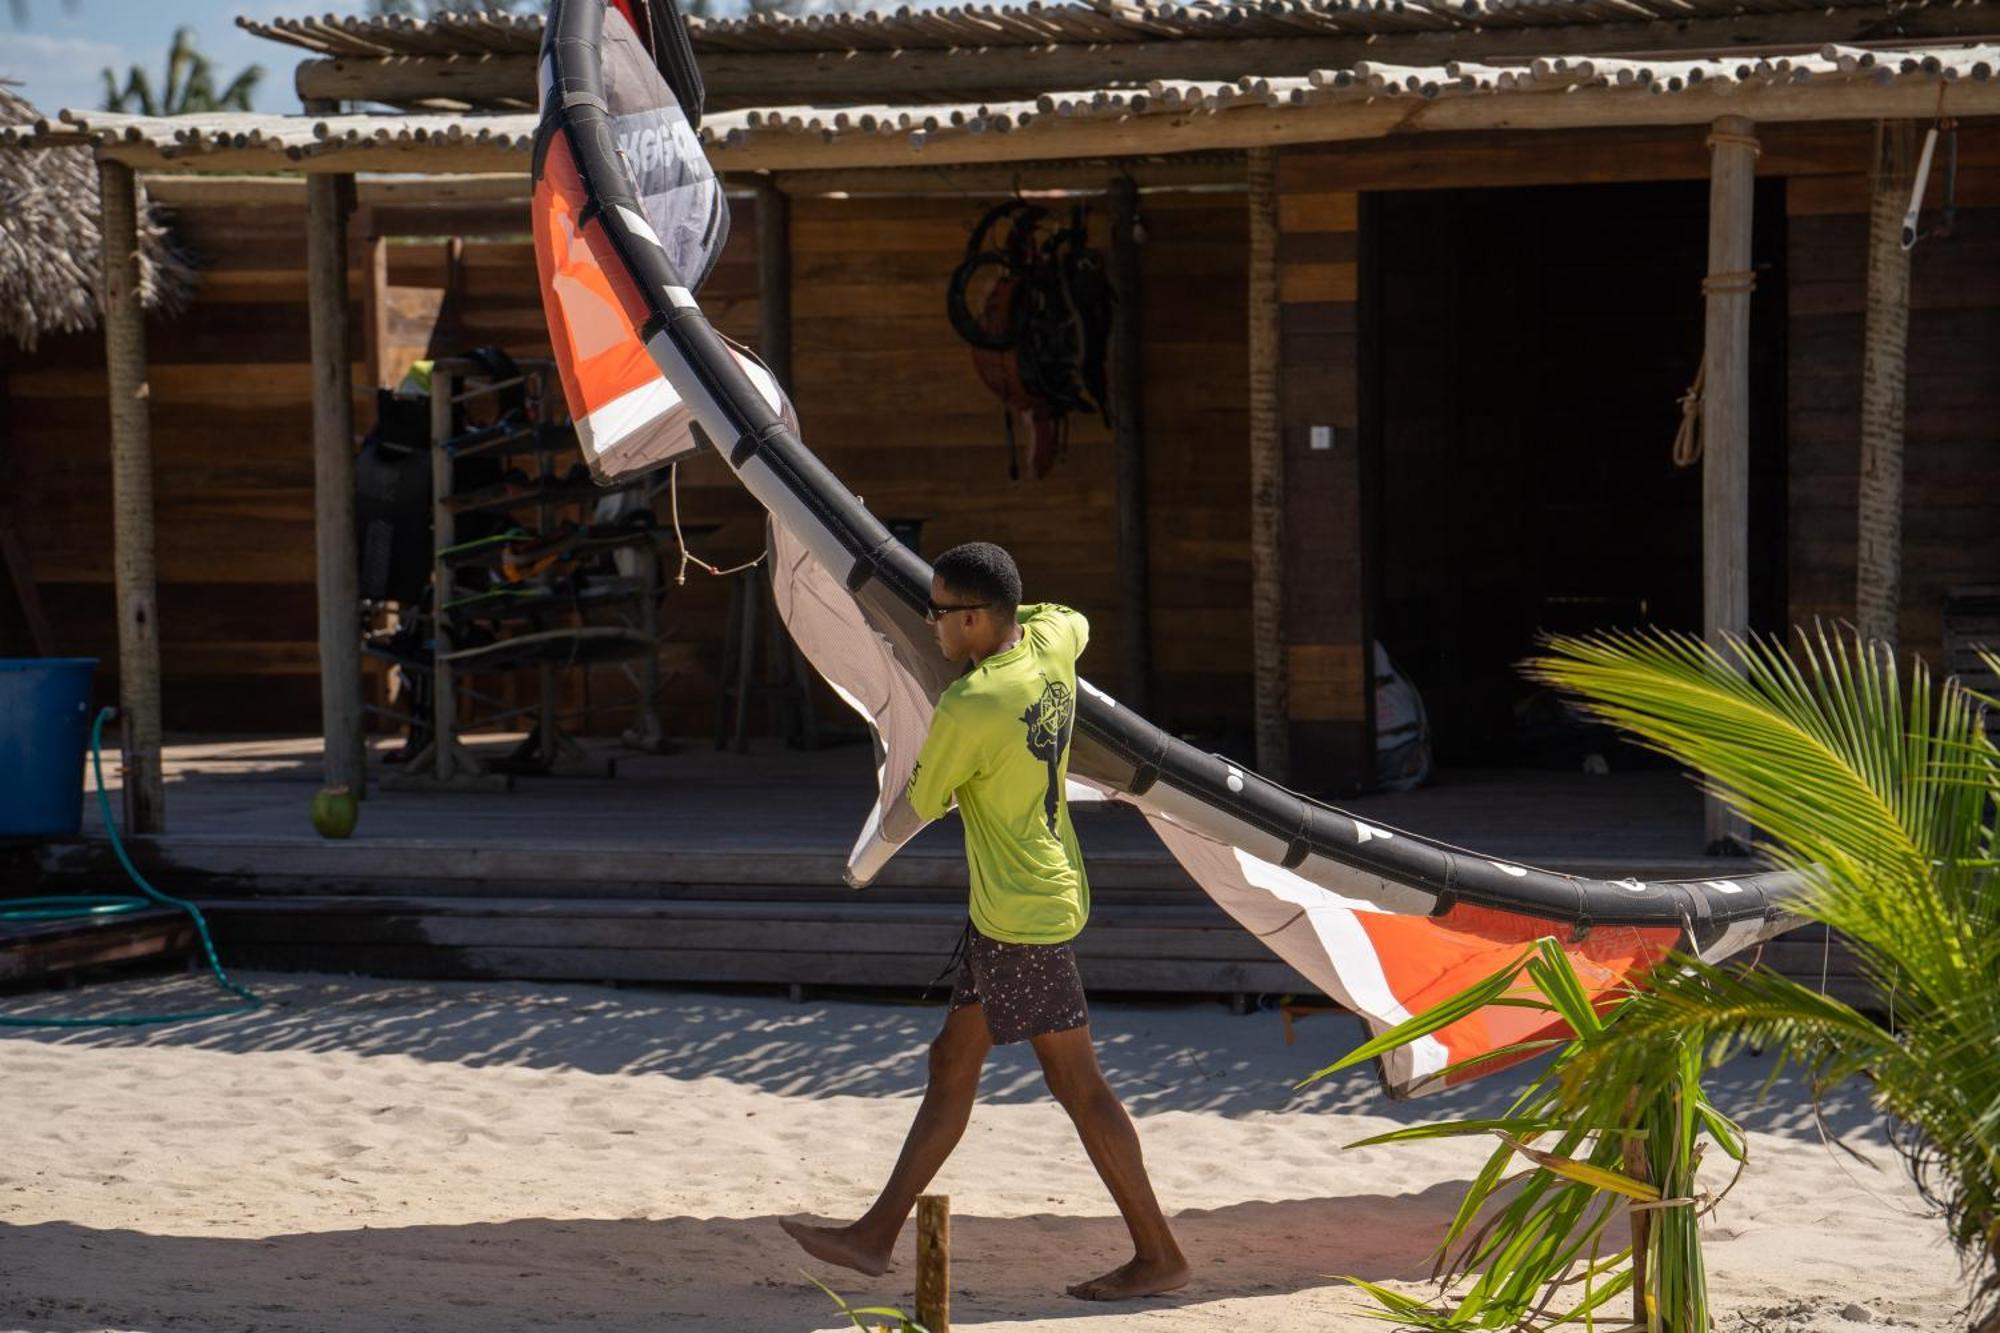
[1537,1240]
[1880,797]
[189,87]
[1881,801]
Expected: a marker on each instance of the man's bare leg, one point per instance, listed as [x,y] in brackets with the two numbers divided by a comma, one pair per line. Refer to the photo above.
[1069,1064]
[957,1057]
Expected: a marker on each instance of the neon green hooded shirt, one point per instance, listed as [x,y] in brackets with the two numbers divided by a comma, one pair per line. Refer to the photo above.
[999,742]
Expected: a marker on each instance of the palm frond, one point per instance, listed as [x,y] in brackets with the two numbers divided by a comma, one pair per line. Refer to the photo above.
[1879,792]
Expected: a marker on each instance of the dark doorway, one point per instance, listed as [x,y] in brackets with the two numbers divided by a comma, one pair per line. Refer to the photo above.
[1530,347]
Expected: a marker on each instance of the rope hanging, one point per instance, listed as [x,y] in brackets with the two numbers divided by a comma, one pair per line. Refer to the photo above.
[689,557]
[1740,282]
[1687,440]
[1740,140]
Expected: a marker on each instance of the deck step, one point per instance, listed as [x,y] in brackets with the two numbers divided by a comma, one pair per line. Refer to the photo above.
[36,953]
[1185,947]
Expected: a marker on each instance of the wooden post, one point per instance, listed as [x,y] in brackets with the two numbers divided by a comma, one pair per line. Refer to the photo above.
[1267,475]
[1878,588]
[444,691]
[333,482]
[934,1262]
[375,308]
[1135,640]
[774,280]
[132,500]
[1725,405]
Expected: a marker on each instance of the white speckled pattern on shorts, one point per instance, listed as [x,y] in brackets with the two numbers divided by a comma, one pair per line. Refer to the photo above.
[1026,989]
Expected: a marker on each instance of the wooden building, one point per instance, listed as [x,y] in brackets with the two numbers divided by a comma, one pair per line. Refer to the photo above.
[1419,298]
[1488,261]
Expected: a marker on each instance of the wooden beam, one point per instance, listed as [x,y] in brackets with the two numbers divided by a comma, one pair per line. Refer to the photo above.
[1348,118]
[1219,171]
[774,281]
[1725,403]
[1158,133]
[1267,476]
[132,501]
[403,159]
[375,308]
[412,80]
[1501,159]
[1135,639]
[343,759]
[216,191]
[737,79]
[1878,591]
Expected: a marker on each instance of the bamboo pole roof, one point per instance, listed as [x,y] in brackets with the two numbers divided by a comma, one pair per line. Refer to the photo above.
[1369,100]
[459,62]
[1094,22]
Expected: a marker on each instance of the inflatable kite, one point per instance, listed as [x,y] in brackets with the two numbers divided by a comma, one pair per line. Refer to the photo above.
[628,219]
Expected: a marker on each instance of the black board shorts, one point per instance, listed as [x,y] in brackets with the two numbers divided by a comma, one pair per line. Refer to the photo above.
[1027,990]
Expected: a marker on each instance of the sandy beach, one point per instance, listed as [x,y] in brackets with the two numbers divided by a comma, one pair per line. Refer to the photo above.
[366,1156]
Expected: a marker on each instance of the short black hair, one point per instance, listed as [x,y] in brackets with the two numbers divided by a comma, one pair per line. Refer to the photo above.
[982,570]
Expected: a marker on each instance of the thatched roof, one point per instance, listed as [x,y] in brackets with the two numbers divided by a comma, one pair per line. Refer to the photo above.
[50,250]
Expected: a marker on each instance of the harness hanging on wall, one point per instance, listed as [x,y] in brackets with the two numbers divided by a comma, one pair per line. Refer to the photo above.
[1034,300]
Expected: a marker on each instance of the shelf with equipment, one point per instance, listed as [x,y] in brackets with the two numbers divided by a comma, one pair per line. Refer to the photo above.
[533,568]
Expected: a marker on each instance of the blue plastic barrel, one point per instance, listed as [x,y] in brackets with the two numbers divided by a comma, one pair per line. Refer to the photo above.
[44,728]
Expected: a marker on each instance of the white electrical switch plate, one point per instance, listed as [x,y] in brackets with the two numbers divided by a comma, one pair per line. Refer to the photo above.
[1321,437]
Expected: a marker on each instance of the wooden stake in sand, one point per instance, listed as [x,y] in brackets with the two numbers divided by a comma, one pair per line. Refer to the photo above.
[934,1262]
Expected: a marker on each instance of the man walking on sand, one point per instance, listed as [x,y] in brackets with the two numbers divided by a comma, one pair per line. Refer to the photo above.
[999,743]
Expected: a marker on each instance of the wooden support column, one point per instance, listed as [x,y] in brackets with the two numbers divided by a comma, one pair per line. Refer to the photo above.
[1135,640]
[1878,590]
[1725,406]
[1267,475]
[132,501]
[327,201]
[774,280]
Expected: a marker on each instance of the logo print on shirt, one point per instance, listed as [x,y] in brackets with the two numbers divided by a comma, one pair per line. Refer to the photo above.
[1049,721]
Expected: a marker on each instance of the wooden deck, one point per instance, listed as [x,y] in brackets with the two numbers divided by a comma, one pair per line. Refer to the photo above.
[710,867]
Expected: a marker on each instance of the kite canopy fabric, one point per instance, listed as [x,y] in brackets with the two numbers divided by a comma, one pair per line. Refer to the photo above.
[628,416]
[1384,921]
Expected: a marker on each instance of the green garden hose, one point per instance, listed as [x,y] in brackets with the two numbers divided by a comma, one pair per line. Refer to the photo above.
[89,905]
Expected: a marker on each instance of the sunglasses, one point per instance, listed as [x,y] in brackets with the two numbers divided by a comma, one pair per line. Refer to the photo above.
[934,612]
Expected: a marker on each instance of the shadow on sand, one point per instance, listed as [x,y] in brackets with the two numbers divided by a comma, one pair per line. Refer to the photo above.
[675,1272]
[1180,1056]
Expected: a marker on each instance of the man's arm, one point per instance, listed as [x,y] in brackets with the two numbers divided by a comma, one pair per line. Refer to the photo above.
[949,759]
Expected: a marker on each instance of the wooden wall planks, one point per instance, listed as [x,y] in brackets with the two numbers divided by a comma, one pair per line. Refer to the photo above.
[1325,591]
[888,395]
[231,432]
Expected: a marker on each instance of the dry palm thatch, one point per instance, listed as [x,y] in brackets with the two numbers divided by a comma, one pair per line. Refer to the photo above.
[50,253]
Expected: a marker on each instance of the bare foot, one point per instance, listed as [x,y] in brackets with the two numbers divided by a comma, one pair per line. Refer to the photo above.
[1139,1277]
[837,1245]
